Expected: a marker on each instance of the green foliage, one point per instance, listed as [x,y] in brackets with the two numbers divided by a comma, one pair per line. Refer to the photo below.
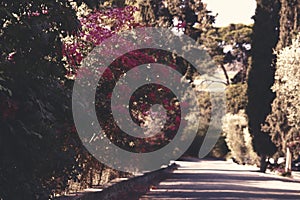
[284,121]
[287,76]
[261,74]
[38,146]
[30,35]
[229,46]
[215,39]
[238,138]
[236,96]
[192,16]
[40,150]
[236,102]
[236,33]
[289,22]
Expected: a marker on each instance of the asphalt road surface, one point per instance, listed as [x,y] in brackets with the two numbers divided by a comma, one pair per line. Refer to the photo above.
[210,179]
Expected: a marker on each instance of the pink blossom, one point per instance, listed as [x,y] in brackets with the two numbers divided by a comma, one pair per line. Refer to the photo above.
[152,96]
[35,14]
[108,74]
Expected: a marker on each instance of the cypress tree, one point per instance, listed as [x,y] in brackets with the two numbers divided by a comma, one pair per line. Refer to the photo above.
[277,122]
[261,75]
[289,22]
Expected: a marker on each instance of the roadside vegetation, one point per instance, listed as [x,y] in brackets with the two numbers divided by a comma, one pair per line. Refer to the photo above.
[43,44]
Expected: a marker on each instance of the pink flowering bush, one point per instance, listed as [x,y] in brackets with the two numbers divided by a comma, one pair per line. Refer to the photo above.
[95,28]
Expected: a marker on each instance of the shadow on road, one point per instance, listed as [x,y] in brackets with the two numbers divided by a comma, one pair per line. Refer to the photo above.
[215,179]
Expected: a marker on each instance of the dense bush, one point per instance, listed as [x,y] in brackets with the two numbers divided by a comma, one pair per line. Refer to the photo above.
[38,144]
[238,138]
[236,95]
[283,122]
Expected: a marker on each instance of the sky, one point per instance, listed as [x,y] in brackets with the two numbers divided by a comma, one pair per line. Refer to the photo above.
[232,11]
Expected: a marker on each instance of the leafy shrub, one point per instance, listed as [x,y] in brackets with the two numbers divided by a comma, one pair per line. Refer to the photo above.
[236,96]
[238,138]
[283,122]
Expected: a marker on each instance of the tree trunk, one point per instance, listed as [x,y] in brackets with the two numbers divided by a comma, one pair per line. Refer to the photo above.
[288,160]
[91,178]
[226,74]
[263,164]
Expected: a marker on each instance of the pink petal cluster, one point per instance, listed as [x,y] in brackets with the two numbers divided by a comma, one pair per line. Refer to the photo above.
[100,25]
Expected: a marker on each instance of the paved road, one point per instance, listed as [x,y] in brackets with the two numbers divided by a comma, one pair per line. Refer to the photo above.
[223,180]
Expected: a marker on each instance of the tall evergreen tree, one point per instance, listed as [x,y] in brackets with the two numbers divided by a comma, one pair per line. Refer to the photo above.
[277,122]
[261,75]
[289,22]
